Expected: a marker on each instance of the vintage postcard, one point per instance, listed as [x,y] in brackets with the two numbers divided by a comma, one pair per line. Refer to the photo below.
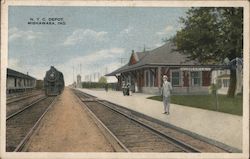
[124,79]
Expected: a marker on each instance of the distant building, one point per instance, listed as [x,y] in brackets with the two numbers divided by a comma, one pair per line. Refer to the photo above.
[39,84]
[222,79]
[144,72]
[79,81]
[19,82]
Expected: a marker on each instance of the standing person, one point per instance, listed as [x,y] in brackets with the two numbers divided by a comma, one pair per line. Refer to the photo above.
[106,87]
[128,89]
[166,92]
[123,88]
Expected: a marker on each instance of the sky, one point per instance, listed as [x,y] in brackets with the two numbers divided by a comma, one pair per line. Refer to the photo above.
[84,40]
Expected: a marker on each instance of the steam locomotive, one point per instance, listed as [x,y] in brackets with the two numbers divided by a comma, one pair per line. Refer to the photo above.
[53,82]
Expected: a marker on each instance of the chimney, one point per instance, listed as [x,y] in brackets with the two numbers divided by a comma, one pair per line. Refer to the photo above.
[27,73]
[133,51]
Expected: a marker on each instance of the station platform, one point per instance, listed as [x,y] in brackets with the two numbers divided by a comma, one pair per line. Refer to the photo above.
[221,127]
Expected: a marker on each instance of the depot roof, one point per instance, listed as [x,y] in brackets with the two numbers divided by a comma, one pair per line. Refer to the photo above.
[161,56]
[14,73]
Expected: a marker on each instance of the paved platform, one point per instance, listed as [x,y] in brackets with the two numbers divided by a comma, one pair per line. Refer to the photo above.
[222,127]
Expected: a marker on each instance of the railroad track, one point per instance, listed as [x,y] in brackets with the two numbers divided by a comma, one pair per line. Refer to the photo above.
[21,125]
[23,108]
[129,133]
[19,98]
[20,104]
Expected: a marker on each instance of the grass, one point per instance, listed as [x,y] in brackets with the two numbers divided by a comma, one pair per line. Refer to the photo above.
[225,104]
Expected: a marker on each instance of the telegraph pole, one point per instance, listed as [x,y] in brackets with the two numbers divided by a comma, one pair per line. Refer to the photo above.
[106,70]
[80,69]
[73,74]
[122,59]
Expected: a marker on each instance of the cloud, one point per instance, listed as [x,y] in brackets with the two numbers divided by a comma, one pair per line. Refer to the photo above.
[126,31]
[81,35]
[158,44]
[168,29]
[37,72]
[110,68]
[15,34]
[92,63]
[14,63]
[98,56]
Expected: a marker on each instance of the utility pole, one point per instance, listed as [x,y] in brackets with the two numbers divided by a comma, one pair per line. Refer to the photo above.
[106,70]
[79,66]
[98,75]
[145,48]
[122,60]
[80,69]
[73,74]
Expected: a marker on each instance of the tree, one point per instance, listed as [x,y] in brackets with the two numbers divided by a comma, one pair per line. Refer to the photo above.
[103,80]
[210,35]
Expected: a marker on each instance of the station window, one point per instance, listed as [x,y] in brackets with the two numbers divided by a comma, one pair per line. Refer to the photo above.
[225,82]
[149,79]
[196,78]
[20,83]
[152,79]
[175,78]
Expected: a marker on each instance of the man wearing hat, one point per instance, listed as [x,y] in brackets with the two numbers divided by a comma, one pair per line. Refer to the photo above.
[165,92]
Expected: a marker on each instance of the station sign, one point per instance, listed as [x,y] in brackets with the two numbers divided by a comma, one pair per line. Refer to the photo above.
[195,69]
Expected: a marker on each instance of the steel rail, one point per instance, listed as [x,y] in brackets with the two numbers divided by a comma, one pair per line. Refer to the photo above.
[226,148]
[219,145]
[114,141]
[176,142]
[16,95]
[31,131]
[20,98]
[28,106]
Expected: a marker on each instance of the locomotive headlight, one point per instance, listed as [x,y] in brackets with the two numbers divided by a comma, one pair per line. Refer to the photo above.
[52,75]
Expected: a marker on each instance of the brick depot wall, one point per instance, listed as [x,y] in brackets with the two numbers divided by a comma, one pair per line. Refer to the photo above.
[185,78]
[206,78]
[184,89]
[177,90]
[140,78]
[165,71]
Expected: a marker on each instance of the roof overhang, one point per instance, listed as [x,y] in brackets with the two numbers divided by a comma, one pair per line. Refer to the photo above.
[13,73]
[183,67]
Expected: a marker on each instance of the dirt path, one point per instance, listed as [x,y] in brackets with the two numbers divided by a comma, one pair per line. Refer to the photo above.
[68,128]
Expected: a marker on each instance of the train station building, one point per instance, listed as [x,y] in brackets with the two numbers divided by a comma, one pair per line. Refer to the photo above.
[144,72]
[19,82]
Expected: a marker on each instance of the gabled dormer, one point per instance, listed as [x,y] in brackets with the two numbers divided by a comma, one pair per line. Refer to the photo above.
[133,58]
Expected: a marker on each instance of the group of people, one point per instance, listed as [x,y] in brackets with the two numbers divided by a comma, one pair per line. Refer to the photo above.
[126,89]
